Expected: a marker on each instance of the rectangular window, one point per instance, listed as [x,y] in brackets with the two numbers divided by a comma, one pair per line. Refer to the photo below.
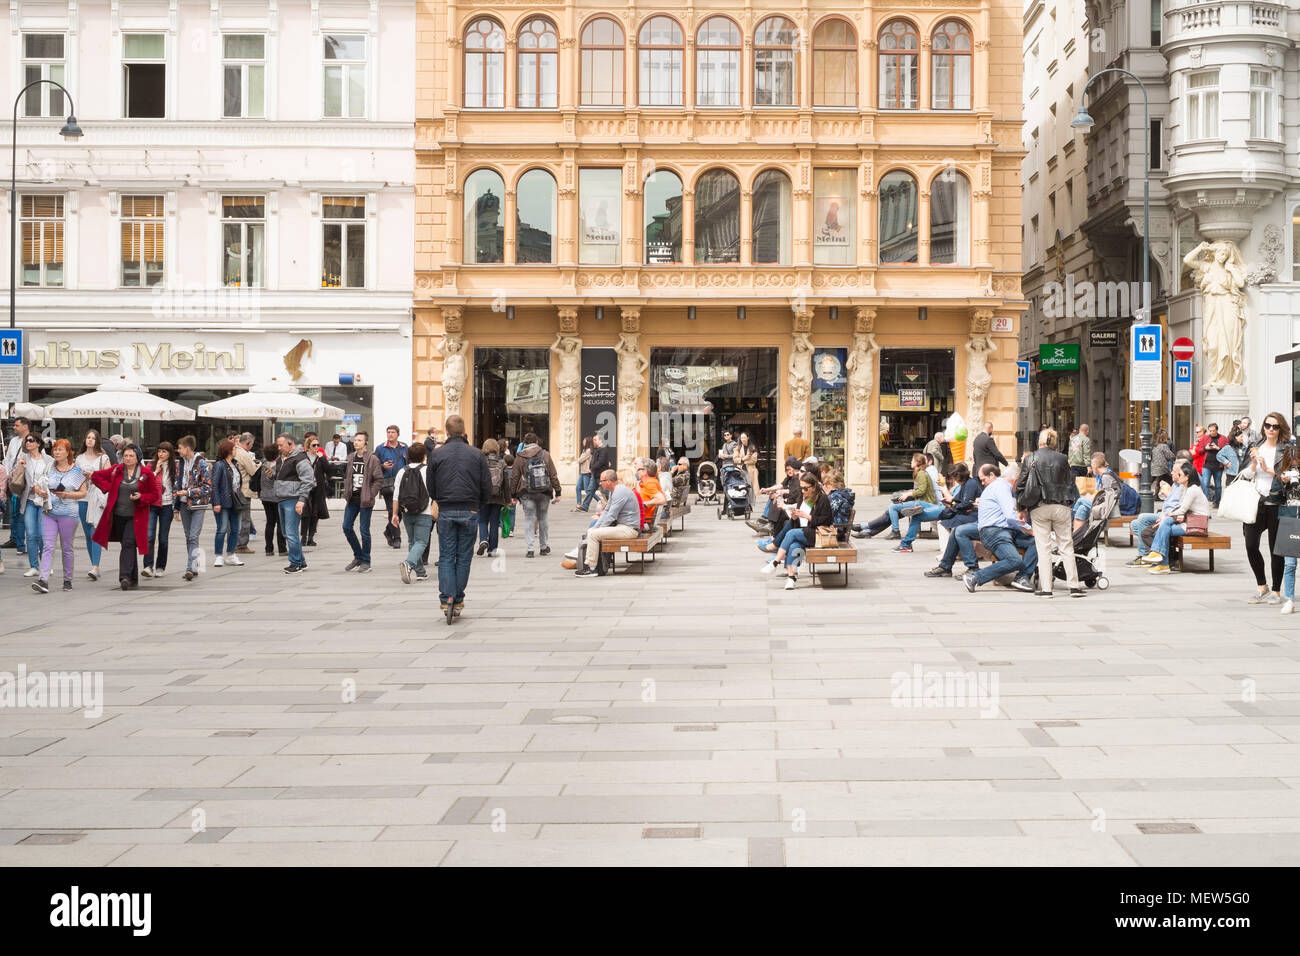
[1203,105]
[345,76]
[1157,148]
[600,216]
[243,241]
[43,60]
[243,70]
[144,76]
[1263,105]
[1157,22]
[343,259]
[834,207]
[42,232]
[142,240]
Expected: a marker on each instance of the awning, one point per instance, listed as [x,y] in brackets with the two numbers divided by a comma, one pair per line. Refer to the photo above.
[1287,357]
[747,418]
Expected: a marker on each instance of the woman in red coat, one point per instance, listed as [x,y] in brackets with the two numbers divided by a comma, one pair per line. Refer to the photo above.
[132,489]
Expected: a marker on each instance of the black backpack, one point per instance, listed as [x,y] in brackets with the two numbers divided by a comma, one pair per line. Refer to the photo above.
[537,479]
[413,496]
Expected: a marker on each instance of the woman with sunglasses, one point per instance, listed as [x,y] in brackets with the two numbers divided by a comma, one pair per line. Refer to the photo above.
[813,513]
[31,466]
[1263,462]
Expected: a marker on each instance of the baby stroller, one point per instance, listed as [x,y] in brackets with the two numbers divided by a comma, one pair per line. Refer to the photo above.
[706,483]
[1089,559]
[735,492]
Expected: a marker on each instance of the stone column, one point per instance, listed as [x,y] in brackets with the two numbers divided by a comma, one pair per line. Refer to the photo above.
[862,380]
[979,349]
[632,368]
[567,349]
[799,371]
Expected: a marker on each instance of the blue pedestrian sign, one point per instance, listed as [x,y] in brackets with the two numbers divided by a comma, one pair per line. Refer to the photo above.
[11,347]
[1022,373]
[1182,372]
[1146,343]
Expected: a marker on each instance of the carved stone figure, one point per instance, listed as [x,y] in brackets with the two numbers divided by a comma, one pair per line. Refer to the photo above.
[978,379]
[1218,271]
[800,378]
[455,370]
[632,367]
[568,379]
[862,379]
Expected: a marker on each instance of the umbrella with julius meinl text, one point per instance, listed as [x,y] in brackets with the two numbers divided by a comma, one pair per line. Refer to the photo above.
[121,398]
[274,400]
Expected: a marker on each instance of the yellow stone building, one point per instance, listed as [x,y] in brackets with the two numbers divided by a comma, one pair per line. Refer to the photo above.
[671,220]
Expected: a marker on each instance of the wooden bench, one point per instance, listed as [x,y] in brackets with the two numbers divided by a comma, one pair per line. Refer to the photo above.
[645,543]
[675,513]
[838,558]
[1210,543]
[1123,521]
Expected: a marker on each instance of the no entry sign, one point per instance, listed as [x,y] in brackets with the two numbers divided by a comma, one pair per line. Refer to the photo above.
[1183,349]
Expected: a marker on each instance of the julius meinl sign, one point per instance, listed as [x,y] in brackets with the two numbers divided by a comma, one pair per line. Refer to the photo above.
[1058,358]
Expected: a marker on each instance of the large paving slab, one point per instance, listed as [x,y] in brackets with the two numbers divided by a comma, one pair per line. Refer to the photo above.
[694,714]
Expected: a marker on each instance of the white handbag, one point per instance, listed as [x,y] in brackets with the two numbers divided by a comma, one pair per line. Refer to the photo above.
[1240,501]
[96,500]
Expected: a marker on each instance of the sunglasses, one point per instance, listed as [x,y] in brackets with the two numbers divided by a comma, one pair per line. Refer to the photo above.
[1272,425]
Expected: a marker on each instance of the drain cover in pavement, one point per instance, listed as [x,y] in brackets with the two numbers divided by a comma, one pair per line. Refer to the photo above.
[1168,828]
[574,719]
[670,833]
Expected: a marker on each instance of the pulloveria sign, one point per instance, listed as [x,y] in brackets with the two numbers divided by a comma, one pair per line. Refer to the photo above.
[141,357]
[1059,358]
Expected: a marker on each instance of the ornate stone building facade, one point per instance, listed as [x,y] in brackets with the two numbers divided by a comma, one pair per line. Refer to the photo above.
[755,218]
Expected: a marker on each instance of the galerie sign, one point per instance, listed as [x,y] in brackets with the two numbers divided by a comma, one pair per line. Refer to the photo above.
[141,356]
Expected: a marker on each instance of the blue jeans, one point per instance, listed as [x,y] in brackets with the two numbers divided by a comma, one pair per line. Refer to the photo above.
[160,526]
[1003,542]
[591,492]
[961,539]
[227,532]
[88,530]
[927,513]
[1168,529]
[456,532]
[192,524]
[585,483]
[1082,509]
[32,533]
[360,549]
[17,527]
[792,543]
[1213,484]
[418,530]
[1140,524]
[1288,579]
[289,521]
[489,525]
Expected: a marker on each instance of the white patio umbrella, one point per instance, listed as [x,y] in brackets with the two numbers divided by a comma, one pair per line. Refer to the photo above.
[274,400]
[121,398]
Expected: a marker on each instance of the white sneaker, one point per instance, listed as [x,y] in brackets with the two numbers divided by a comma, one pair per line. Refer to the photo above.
[233,561]
[496,553]
[218,561]
[789,584]
[31,573]
[1288,607]
[146,572]
[158,572]
[768,567]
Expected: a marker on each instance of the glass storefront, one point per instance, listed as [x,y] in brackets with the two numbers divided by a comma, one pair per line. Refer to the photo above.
[696,394]
[356,401]
[830,406]
[512,394]
[917,394]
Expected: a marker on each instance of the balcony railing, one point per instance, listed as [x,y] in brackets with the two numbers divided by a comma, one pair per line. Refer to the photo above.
[1225,17]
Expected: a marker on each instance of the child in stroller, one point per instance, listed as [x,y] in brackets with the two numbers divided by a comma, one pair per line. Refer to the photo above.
[735,492]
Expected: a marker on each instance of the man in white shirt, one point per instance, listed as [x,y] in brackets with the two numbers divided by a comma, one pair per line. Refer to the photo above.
[336,449]
[21,428]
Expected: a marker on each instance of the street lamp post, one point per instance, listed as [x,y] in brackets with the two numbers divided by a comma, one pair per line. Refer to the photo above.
[71,132]
[1084,121]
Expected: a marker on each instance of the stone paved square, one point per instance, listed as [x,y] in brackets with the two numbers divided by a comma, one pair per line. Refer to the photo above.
[696,714]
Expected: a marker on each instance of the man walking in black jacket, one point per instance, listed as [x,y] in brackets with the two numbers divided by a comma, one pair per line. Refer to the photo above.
[986,451]
[459,481]
[601,461]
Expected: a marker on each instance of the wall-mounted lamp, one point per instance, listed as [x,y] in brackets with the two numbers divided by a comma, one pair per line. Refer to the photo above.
[835,312]
[690,312]
[923,313]
[510,312]
[740,312]
[600,313]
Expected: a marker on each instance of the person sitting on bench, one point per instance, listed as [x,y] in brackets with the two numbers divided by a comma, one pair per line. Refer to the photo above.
[1192,501]
[812,513]
[620,518]
[1105,479]
[773,519]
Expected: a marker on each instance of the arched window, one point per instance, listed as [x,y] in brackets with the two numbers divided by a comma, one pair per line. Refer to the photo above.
[659,46]
[662,217]
[770,217]
[950,62]
[485,65]
[775,71]
[484,217]
[898,66]
[538,65]
[898,227]
[717,63]
[602,63]
[835,64]
[717,217]
[950,219]
[535,217]
[835,216]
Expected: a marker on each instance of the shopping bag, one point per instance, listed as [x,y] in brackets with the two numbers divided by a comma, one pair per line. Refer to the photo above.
[1288,537]
[507,520]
